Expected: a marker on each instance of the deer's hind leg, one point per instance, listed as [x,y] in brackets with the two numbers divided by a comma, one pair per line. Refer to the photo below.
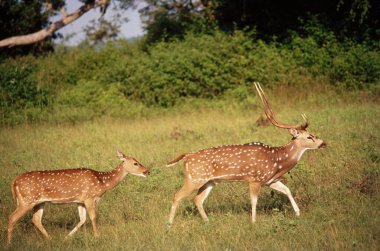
[201,196]
[188,188]
[254,190]
[91,209]
[38,211]
[19,212]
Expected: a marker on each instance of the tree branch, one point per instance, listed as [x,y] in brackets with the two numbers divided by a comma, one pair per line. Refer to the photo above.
[48,31]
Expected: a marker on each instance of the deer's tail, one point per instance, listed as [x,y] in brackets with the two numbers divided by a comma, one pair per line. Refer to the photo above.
[176,160]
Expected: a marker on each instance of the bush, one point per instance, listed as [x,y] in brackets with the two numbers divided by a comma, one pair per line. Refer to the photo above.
[355,66]
[18,89]
[90,99]
[20,93]
[123,79]
[319,51]
[204,66]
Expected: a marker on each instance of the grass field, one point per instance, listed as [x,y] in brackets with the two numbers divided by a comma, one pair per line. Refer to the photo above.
[337,188]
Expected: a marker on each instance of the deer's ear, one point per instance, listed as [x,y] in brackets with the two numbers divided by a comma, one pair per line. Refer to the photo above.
[121,155]
[293,132]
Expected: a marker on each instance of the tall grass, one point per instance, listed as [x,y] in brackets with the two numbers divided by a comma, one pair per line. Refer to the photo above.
[336,188]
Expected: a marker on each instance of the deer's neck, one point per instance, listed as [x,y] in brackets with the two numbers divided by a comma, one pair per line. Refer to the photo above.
[114,177]
[288,155]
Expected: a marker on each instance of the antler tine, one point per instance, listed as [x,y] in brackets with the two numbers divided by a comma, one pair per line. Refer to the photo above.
[269,108]
[265,104]
[306,123]
[271,115]
[261,97]
[304,116]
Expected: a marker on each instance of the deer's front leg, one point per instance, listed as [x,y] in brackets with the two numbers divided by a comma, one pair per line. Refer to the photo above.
[38,211]
[203,192]
[91,209]
[82,219]
[254,190]
[279,186]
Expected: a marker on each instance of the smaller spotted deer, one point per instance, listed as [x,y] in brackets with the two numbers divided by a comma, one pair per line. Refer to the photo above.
[255,163]
[82,186]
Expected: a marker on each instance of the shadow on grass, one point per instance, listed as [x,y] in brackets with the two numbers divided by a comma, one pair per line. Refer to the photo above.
[276,203]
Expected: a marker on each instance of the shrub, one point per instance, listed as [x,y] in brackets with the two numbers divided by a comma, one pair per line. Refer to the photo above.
[19,92]
[123,79]
[91,99]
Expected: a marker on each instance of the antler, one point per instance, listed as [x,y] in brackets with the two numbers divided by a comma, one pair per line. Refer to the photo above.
[272,117]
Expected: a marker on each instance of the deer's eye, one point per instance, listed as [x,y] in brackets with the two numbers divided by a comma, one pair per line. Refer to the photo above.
[135,164]
[311,137]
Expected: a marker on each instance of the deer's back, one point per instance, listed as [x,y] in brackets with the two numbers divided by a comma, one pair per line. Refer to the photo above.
[234,162]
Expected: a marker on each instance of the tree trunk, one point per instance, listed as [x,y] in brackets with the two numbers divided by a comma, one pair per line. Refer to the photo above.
[48,31]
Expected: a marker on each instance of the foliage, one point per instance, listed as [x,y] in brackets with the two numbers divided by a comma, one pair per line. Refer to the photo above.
[167,20]
[100,32]
[354,19]
[21,20]
[22,17]
[91,99]
[165,74]
[346,62]
[19,91]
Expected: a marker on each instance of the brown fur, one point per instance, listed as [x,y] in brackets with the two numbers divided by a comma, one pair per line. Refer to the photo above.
[82,186]
[255,163]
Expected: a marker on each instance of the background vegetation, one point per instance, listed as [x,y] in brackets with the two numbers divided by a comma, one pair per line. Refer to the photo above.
[131,80]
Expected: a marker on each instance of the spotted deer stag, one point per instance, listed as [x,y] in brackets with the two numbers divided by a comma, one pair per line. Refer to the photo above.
[255,163]
[83,186]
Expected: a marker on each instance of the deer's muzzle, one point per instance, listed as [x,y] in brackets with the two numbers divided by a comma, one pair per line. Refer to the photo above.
[147,172]
[323,145]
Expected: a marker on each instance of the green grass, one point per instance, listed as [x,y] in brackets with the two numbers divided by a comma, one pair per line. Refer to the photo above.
[337,188]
